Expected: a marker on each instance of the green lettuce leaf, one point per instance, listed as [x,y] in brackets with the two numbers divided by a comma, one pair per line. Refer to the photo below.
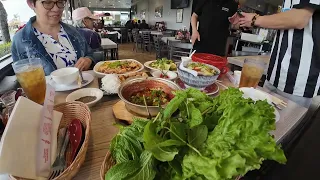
[239,142]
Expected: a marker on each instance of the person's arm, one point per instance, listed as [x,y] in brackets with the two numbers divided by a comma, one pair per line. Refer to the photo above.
[95,41]
[194,22]
[195,33]
[14,52]
[292,19]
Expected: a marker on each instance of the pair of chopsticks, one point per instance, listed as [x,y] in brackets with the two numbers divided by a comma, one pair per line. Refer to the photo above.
[220,84]
[280,104]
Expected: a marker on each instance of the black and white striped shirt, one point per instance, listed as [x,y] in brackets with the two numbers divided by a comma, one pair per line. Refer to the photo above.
[295,61]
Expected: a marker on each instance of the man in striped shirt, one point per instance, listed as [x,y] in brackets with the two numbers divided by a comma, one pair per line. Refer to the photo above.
[294,68]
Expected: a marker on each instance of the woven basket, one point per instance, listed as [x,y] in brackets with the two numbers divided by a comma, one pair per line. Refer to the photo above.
[107,164]
[73,110]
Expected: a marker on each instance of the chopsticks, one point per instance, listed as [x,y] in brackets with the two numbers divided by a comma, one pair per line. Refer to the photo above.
[220,83]
[278,102]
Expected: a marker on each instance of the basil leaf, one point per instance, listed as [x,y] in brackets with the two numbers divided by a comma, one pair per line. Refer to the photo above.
[164,154]
[197,135]
[122,170]
[147,167]
[174,105]
[162,149]
[178,131]
[176,166]
[196,116]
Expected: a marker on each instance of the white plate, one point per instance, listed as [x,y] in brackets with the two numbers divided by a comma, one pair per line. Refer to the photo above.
[101,75]
[74,85]
[147,65]
[256,95]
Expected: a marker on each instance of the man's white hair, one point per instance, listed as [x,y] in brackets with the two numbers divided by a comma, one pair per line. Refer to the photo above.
[79,23]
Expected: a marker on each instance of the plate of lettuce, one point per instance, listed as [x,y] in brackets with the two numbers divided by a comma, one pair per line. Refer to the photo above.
[197,137]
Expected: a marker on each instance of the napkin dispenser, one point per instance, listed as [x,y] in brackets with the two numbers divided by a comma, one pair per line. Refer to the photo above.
[19,143]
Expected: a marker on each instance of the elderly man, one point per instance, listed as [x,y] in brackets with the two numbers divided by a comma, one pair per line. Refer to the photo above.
[83,21]
[294,68]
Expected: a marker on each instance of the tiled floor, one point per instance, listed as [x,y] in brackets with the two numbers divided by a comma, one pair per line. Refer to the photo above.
[126,52]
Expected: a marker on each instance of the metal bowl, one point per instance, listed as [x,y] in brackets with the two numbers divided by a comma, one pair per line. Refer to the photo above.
[128,88]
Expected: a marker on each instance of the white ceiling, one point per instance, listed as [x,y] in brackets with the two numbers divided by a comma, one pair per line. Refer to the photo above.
[106,3]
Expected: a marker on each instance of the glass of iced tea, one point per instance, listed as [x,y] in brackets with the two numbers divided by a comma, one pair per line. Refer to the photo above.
[252,72]
[31,77]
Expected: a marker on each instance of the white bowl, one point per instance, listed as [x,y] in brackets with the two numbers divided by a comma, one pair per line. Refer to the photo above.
[65,76]
[170,74]
[85,92]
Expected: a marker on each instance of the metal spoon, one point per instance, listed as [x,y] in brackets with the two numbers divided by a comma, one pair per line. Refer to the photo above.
[82,80]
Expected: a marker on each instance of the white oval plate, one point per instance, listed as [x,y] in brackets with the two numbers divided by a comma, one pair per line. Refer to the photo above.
[256,95]
[73,86]
[101,75]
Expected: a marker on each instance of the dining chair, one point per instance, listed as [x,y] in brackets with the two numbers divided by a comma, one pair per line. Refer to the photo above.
[146,40]
[129,35]
[160,47]
[113,52]
[178,50]
[136,39]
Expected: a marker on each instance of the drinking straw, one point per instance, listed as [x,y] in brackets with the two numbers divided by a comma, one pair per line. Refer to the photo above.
[28,53]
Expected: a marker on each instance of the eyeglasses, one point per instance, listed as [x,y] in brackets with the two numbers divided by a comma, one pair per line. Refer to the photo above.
[48,5]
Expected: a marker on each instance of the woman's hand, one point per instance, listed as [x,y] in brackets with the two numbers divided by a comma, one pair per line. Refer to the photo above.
[246,20]
[195,36]
[83,64]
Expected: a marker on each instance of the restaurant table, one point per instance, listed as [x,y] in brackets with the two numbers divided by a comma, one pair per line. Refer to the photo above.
[103,129]
[107,45]
[156,33]
[239,60]
[168,39]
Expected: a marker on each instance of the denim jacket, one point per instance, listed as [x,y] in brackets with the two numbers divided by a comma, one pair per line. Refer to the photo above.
[26,38]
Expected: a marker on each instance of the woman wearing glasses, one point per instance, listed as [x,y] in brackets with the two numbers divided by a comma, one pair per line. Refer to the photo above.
[57,44]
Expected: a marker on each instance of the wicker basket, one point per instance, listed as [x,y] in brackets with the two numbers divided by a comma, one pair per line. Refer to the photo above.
[107,164]
[73,110]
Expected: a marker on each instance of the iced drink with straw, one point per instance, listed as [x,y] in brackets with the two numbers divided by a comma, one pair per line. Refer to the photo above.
[31,77]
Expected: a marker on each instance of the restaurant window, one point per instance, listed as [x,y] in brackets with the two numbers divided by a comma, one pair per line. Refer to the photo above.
[18,13]
[116,18]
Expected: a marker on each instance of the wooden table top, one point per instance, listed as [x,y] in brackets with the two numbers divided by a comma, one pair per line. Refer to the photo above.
[102,129]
